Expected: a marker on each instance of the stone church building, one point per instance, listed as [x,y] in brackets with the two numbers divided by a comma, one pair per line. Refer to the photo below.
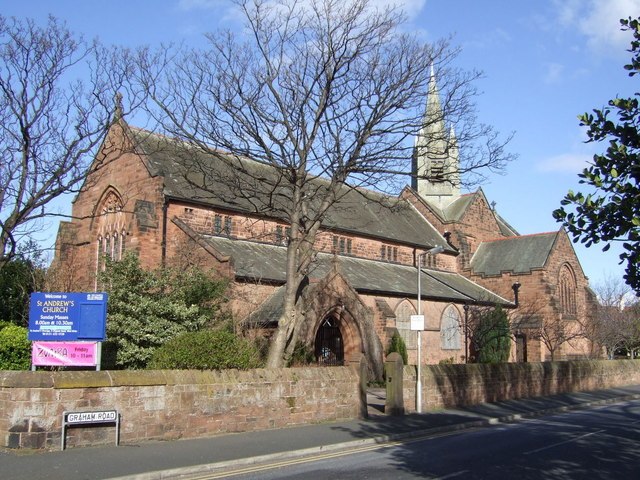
[145,195]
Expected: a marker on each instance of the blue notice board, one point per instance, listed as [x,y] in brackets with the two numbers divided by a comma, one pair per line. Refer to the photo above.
[59,316]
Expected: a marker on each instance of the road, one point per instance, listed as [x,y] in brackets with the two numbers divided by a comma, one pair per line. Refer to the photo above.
[599,443]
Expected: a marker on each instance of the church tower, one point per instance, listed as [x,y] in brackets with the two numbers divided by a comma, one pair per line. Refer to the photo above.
[435,155]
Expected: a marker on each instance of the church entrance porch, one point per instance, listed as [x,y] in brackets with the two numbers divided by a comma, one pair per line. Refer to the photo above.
[329,345]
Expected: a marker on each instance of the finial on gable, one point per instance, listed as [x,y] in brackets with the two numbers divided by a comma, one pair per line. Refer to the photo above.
[117,100]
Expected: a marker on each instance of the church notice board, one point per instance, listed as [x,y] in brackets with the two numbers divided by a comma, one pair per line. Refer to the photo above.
[70,316]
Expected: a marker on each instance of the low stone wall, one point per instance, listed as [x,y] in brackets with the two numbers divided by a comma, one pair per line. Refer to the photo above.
[166,405]
[458,385]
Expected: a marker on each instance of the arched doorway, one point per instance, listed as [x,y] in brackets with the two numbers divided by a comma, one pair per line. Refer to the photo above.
[329,346]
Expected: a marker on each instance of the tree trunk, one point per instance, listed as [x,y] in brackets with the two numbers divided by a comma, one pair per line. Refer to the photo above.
[279,342]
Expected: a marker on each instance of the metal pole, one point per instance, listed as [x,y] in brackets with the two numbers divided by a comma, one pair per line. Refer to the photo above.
[434,251]
[418,361]
[466,333]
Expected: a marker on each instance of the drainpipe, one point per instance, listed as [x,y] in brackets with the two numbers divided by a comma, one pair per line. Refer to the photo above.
[163,244]
[516,288]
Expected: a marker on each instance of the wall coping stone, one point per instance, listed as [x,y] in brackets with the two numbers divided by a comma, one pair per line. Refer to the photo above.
[121,378]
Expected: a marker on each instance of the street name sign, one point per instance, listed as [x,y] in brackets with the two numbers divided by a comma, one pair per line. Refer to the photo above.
[96,418]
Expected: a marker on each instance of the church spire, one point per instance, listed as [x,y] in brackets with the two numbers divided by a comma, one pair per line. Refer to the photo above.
[436,160]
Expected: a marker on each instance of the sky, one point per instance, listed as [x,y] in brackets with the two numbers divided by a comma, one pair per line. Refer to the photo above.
[544,63]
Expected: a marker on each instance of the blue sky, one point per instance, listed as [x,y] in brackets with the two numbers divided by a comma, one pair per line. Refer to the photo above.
[544,63]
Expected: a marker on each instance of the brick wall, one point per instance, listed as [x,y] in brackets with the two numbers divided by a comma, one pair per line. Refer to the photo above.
[446,386]
[165,405]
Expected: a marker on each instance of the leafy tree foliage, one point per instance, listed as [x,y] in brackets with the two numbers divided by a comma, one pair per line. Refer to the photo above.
[612,213]
[15,348]
[147,308]
[491,338]
[397,345]
[206,350]
[18,279]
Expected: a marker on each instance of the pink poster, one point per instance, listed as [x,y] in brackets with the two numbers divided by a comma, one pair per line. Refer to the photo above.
[68,354]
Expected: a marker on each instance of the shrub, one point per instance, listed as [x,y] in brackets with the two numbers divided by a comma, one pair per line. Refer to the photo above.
[398,345]
[492,337]
[206,350]
[15,348]
[18,279]
[148,307]
[301,356]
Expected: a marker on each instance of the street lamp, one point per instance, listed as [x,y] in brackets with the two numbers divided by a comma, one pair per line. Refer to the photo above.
[434,251]
[466,333]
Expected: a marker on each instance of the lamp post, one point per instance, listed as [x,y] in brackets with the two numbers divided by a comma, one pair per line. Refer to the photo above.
[466,333]
[434,251]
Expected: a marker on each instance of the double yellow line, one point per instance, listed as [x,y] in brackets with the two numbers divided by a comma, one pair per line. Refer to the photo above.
[291,462]
[312,458]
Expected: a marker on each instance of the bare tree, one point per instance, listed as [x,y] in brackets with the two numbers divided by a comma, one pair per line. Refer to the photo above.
[51,123]
[555,332]
[534,318]
[328,95]
[609,327]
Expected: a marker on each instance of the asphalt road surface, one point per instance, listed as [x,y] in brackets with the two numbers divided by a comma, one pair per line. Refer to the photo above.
[599,443]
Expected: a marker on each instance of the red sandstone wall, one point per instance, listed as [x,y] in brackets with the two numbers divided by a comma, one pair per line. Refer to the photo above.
[165,405]
[125,173]
[445,386]
[162,405]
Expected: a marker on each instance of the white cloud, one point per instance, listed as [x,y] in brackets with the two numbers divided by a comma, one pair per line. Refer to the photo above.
[565,163]
[411,8]
[202,4]
[554,73]
[598,20]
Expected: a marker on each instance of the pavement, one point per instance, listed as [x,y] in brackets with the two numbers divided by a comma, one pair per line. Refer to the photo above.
[184,458]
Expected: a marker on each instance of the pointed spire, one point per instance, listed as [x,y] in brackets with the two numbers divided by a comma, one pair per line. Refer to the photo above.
[453,145]
[436,161]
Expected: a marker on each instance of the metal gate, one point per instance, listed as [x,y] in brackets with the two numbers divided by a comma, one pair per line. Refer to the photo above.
[329,345]
[521,347]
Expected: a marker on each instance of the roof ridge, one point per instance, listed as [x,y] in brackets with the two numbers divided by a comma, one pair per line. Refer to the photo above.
[363,190]
[515,237]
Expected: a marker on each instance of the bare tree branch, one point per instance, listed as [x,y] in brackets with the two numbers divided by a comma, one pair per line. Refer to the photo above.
[51,123]
[328,94]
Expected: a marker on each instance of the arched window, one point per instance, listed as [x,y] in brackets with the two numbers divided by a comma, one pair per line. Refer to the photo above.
[110,228]
[403,324]
[450,329]
[567,286]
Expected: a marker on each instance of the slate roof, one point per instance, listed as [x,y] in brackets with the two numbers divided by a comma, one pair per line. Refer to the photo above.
[456,210]
[505,228]
[517,255]
[265,262]
[197,177]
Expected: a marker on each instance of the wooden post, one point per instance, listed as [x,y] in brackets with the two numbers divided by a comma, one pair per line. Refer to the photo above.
[393,369]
